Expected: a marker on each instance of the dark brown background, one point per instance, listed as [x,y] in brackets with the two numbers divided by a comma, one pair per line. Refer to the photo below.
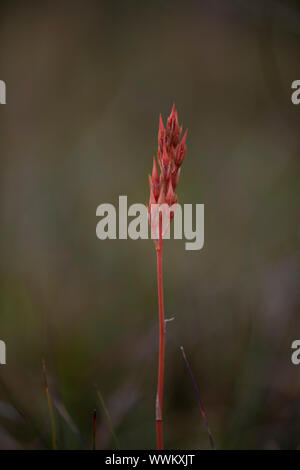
[86,81]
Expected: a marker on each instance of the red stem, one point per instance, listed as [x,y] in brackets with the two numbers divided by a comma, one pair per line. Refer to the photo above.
[161,358]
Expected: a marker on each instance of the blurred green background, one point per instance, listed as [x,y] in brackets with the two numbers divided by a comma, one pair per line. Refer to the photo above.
[86,81]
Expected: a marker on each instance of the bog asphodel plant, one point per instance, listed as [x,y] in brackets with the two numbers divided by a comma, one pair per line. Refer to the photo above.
[163,182]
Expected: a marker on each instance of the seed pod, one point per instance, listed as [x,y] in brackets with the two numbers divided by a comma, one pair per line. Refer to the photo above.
[155,175]
[173,128]
[181,151]
[175,177]
[155,179]
[170,197]
[161,198]
[166,162]
[161,135]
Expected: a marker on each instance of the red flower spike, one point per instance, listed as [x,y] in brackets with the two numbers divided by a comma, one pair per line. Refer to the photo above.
[170,155]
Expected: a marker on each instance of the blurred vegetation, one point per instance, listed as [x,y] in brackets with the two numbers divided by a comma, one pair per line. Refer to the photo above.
[86,82]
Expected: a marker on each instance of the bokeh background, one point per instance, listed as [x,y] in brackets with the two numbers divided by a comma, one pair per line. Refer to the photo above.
[86,81]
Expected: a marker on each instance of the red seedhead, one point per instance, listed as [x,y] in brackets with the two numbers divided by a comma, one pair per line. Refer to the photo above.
[170,155]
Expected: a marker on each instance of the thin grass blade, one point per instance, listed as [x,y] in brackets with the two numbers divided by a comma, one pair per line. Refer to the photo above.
[211,440]
[94,428]
[108,419]
[50,406]
[61,409]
